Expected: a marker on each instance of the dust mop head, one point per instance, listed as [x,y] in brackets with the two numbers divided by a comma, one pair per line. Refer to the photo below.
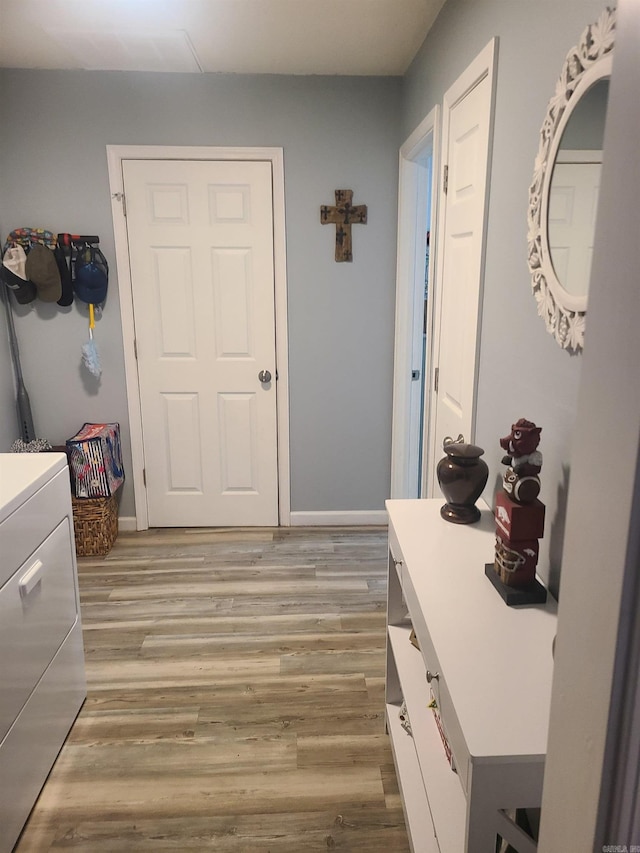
[91,358]
[38,445]
[89,352]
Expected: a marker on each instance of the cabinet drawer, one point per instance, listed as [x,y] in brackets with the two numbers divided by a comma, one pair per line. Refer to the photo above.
[37,610]
[31,523]
[29,749]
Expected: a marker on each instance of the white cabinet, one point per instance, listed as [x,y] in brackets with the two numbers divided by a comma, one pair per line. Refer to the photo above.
[485,667]
[42,683]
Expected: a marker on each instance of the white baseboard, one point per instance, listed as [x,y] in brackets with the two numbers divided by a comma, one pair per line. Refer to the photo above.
[346,518]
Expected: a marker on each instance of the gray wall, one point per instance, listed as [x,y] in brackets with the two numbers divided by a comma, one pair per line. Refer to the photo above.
[523,372]
[590,799]
[336,133]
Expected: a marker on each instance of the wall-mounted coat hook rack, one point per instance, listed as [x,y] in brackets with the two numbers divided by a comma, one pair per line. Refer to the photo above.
[68,239]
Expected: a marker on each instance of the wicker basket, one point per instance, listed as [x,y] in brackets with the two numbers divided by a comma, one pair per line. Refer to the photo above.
[95,521]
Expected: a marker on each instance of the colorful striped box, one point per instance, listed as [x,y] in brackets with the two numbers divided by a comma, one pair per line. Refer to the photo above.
[95,459]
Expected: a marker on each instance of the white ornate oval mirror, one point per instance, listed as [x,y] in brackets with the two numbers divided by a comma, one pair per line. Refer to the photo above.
[564,191]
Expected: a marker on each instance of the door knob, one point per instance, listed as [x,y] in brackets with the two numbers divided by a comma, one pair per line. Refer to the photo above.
[264,376]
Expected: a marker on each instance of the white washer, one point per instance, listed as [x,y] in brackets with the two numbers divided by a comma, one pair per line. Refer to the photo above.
[42,678]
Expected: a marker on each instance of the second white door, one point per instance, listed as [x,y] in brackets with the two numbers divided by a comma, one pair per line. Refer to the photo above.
[200,237]
[466,135]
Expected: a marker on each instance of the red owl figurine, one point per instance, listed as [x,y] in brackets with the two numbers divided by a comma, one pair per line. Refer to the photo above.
[524,461]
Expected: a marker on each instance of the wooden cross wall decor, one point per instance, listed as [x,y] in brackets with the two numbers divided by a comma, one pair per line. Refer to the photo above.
[343,215]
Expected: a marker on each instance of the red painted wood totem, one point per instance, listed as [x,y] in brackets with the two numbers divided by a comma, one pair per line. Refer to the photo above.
[519,515]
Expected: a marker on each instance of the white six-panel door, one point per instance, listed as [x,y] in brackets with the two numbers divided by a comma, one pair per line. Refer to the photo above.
[467,118]
[200,237]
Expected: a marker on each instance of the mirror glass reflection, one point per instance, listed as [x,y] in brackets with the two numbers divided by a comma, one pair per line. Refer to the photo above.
[573,195]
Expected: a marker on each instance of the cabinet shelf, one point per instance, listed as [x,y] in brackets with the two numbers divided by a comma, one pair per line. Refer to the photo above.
[445,796]
[418,818]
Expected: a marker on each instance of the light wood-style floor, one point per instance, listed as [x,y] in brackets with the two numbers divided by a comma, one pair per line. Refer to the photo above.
[235,699]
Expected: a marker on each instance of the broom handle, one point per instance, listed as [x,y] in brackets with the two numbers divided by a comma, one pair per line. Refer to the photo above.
[15,354]
[23,404]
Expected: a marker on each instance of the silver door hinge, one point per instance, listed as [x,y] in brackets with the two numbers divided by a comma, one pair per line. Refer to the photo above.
[436,378]
[120,197]
[445,180]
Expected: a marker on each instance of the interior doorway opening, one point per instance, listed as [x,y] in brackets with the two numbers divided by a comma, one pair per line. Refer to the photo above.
[414,309]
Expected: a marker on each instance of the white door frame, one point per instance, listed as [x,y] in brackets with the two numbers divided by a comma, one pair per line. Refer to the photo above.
[115,155]
[413,193]
[484,65]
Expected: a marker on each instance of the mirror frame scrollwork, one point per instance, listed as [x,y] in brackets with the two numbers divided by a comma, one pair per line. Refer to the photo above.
[590,60]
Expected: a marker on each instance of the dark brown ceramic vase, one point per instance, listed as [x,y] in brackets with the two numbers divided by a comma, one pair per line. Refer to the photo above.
[462,476]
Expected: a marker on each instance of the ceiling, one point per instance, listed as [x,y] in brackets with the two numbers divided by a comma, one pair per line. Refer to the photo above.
[350,37]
